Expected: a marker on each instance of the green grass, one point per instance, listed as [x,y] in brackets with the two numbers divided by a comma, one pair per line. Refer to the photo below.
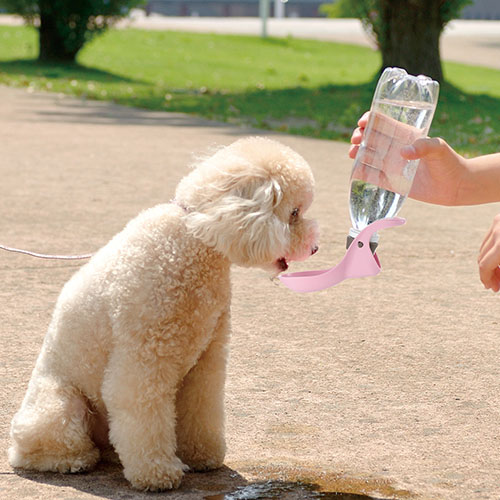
[304,87]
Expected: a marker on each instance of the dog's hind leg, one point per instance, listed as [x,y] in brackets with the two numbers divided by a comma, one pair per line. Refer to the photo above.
[200,406]
[51,430]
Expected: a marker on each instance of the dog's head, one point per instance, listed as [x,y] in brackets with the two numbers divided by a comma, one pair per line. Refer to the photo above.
[248,201]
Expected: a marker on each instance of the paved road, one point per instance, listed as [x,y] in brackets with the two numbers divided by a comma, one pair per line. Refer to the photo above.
[386,386]
[466,41]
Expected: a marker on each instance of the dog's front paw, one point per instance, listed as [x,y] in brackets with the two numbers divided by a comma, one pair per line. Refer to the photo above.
[156,475]
[203,457]
[206,464]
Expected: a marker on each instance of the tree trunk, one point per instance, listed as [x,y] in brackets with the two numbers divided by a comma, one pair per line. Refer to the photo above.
[410,35]
[52,37]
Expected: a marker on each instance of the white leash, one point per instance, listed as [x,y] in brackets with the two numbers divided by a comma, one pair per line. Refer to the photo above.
[46,256]
[64,257]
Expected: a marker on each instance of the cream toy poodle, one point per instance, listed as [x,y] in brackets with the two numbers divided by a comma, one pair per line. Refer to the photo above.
[135,354]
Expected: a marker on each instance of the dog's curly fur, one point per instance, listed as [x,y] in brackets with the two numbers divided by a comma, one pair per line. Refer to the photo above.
[138,339]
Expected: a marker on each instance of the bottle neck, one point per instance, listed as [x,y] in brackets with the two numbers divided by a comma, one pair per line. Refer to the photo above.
[353,233]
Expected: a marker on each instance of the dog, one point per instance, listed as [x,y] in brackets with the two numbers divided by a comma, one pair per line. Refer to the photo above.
[135,353]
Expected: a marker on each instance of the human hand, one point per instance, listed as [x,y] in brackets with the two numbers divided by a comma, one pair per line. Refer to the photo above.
[489,257]
[381,162]
[440,173]
[357,135]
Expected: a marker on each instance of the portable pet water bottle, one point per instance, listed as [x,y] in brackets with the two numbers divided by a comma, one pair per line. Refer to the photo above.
[401,112]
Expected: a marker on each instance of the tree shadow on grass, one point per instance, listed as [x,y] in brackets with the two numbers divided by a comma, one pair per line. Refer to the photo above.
[467,121]
[329,111]
[32,68]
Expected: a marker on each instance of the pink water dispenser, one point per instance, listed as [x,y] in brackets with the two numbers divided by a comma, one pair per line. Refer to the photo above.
[401,112]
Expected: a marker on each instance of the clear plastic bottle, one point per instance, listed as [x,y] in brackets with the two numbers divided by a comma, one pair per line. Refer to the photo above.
[402,110]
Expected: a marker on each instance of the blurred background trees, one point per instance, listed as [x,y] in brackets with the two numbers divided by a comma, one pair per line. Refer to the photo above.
[65,26]
[407,32]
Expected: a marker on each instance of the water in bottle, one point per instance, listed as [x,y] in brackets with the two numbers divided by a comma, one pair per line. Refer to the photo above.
[401,112]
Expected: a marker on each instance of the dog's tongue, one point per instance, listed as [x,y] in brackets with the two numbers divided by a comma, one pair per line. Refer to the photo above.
[282,264]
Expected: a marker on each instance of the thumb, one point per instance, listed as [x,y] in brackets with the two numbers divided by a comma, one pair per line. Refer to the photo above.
[421,148]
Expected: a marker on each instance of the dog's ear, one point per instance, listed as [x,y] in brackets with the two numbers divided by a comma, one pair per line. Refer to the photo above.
[241,224]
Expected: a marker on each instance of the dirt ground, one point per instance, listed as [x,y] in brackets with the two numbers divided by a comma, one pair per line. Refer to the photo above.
[385,387]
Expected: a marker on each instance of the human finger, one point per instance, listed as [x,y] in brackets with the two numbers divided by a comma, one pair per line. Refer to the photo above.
[353,151]
[363,121]
[483,259]
[422,148]
[357,136]
[489,260]
[486,245]
[488,273]
[492,235]
[497,279]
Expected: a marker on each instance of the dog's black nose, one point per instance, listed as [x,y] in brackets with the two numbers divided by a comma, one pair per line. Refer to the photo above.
[314,249]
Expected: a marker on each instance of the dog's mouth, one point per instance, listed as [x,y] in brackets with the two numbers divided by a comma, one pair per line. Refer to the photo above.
[282,264]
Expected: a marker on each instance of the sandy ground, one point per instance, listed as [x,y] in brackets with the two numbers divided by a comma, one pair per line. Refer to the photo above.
[387,387]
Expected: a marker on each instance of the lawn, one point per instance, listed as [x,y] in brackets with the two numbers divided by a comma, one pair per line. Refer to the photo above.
[297,86]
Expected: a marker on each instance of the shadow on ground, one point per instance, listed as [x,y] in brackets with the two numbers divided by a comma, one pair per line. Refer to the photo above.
[107,481]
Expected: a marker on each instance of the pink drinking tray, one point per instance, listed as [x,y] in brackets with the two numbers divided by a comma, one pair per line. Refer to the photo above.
[358,262]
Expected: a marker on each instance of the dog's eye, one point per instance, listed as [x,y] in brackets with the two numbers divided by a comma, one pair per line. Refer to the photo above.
[294,215]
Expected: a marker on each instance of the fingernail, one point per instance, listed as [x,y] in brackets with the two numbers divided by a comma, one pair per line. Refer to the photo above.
[408,151]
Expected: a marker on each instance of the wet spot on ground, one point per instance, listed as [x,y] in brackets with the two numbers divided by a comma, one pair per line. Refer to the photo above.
[298,483]
[287,491]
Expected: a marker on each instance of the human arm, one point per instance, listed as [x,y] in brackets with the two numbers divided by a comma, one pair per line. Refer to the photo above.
[482,181]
